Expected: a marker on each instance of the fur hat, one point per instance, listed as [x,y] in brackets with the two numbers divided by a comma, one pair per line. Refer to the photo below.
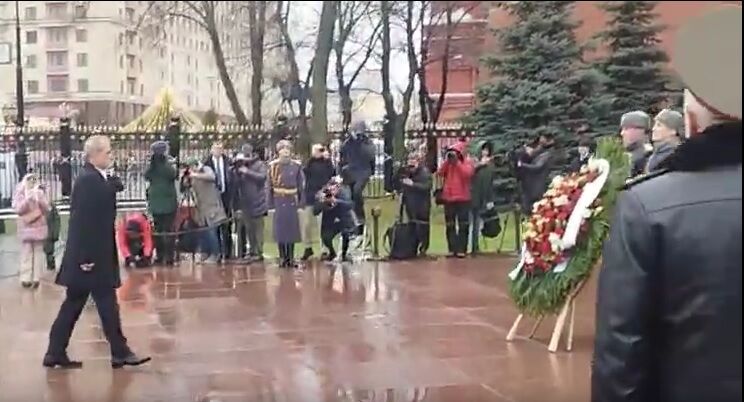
[672,119]
[707,57]
[159,148]
[635,119]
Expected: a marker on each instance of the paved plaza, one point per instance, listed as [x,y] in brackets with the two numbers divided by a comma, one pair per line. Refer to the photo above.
[405,332]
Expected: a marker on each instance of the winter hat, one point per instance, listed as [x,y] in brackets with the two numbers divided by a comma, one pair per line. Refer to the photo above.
[246,150]
[359,127]
[635,119]
[707,57]
[159,148]
[672,119]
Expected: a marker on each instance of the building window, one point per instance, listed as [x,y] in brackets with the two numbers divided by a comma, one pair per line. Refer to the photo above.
[131,85]
[121,61]
[57,36]
[196,64]
[31,61]
[81,11]
[57,83]
[32,86]
[30,14]
[56,10]
[81,35]
[142,89]
[140,65]
[121,39]
[82,85]
[121,86]
[130,61]
[82,59]
[188,61]
[188,100]
[31,37]
[130,14]
[56,61]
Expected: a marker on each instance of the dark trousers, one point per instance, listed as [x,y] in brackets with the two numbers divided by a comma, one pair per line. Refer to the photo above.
[329,232]
[164,245]
[225,230]
[69,312]
[419,216]
[357,197]
[457,219]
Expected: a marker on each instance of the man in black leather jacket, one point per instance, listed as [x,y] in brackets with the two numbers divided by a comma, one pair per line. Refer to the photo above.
[669,299]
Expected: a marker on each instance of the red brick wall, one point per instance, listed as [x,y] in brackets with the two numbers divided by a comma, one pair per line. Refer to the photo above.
[473,39]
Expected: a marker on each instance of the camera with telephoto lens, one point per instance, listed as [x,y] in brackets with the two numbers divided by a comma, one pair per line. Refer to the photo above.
[451,155]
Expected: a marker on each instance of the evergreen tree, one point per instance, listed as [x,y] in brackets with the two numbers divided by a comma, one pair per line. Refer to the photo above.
[540,85]
[635,62]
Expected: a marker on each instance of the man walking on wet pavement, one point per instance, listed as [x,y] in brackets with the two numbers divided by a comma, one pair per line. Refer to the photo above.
[90,263]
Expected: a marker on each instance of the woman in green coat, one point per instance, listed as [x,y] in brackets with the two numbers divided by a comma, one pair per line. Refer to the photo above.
[481,192]
[162,200]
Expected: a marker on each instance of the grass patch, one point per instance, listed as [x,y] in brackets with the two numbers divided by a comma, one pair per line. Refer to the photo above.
[389,209]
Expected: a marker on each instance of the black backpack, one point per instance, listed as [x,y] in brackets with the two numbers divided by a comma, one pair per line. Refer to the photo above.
[491,223]
[401,238]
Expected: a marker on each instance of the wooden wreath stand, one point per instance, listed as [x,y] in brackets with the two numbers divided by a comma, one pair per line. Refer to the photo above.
[568,311]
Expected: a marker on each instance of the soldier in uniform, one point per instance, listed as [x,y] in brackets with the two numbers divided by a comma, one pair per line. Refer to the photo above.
[286,182]
[634,132]
[669,302]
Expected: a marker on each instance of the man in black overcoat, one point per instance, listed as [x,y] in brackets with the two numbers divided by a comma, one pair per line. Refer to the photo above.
[90,263]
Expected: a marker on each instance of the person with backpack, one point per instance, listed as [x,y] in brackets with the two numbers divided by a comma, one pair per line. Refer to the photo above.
[210,214]
[31,204]
[162,200]
[482,194]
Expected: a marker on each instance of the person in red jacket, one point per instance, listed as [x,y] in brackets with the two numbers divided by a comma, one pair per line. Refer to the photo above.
[456,172]
[134,238]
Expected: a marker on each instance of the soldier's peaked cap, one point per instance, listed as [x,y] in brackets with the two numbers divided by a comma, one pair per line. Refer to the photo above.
[707,56]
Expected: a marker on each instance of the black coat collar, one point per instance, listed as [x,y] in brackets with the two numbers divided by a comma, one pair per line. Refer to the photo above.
[717,146]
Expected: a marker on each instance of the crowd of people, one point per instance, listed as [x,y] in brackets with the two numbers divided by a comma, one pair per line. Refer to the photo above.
[217,206]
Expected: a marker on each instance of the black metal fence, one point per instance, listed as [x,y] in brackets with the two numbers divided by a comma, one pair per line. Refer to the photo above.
[55,153]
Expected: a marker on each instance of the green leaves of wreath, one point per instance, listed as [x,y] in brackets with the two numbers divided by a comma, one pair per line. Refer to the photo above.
[540,294]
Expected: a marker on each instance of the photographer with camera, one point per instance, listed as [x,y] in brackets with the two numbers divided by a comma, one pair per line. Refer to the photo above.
[250,198]
[162,202]
[415,185]
[456,172]
[335,203]
[358,155]
[482,192]
[535,174]
[199,178]
[318,172]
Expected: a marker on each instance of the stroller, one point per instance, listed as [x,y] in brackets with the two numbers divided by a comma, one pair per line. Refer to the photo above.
[134,237]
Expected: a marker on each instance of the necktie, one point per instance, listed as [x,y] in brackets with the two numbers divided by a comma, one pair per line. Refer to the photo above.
[220,180]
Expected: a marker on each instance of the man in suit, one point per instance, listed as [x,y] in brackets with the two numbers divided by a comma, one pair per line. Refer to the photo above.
[90,263]
[220,165]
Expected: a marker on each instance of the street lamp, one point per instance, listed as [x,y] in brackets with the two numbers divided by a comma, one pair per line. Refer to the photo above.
[21,118]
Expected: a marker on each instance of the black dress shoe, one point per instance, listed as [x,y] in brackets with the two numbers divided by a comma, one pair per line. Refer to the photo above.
[131,360]
[308,253]
[62,362]
[26,285]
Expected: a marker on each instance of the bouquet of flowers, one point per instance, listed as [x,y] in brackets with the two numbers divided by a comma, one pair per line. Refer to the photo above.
[562,240]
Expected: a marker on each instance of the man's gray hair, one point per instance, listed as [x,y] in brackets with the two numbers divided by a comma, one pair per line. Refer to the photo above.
[95,143]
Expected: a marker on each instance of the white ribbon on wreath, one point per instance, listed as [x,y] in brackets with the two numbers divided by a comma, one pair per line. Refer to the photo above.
[581,211]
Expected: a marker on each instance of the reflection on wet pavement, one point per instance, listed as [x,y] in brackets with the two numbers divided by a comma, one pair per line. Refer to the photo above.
[405,332]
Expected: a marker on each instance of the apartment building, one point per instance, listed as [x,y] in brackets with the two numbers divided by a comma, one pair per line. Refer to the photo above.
[100,63]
